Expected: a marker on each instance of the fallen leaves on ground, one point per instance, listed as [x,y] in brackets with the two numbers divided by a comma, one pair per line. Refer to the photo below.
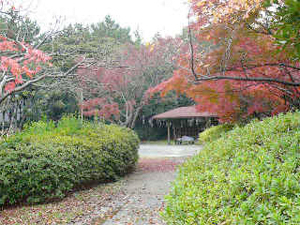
[93,205]
[70,209]
[158,164]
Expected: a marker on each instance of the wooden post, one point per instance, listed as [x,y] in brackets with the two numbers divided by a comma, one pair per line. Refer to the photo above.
[174,132]
[169,132]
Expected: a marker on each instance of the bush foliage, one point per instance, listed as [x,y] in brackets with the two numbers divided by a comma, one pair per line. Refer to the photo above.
[45,162]
[250,176]
[213,133]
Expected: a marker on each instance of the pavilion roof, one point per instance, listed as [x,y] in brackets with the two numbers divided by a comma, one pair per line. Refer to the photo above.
[187,112]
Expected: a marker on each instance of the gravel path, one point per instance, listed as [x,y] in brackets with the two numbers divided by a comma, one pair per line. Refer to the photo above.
[142,202]
[147,150]
[144,190]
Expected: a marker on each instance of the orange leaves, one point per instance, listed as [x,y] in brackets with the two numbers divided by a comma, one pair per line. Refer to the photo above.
[178,82]
[231,49]
[225,11]
[10,86]
[11,65]
[231,100]
[200,3]
[247,56]
[15,68]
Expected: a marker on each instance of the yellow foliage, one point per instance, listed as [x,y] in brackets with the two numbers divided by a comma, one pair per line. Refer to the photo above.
[152,48]
[201,3]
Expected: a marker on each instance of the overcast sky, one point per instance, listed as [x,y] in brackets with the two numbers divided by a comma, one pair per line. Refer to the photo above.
[167,17]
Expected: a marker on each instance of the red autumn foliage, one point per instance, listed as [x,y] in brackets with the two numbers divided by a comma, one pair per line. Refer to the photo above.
[119,91]
[233,71]
[29,62]
[101,108]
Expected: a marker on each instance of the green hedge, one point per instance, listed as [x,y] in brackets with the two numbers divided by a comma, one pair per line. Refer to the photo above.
[213,133]
[251,176]
[45,162]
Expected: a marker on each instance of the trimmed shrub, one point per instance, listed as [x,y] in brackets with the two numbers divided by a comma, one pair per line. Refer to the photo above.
[45,162]
[248,177]
[213,133]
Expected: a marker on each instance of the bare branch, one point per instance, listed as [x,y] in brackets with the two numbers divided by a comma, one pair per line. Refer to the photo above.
[29,82]
[254,79]
[192,54]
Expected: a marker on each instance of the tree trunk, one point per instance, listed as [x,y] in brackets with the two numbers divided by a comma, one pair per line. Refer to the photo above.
[136,115]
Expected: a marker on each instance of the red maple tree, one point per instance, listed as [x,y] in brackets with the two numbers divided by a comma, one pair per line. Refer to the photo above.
[19,65]
[22,64]
[118,92]
[234,66]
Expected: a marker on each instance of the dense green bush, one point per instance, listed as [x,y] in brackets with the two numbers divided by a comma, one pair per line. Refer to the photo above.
[213,133]
[251,176]
[45,162]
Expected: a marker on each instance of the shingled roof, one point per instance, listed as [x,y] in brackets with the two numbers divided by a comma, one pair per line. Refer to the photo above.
[183,113]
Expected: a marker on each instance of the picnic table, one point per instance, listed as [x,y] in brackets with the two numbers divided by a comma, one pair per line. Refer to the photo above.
[185,140]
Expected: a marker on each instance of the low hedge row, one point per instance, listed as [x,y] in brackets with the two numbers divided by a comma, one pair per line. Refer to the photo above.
[45,162]
[214,132]
[251,176]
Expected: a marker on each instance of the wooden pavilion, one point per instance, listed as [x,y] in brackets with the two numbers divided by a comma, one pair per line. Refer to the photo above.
[186,121]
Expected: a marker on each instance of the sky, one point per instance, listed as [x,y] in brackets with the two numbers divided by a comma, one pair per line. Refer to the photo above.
[167,17]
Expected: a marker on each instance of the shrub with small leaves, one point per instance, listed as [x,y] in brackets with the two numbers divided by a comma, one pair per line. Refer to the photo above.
[214,132]
[248,177]
[45,162]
